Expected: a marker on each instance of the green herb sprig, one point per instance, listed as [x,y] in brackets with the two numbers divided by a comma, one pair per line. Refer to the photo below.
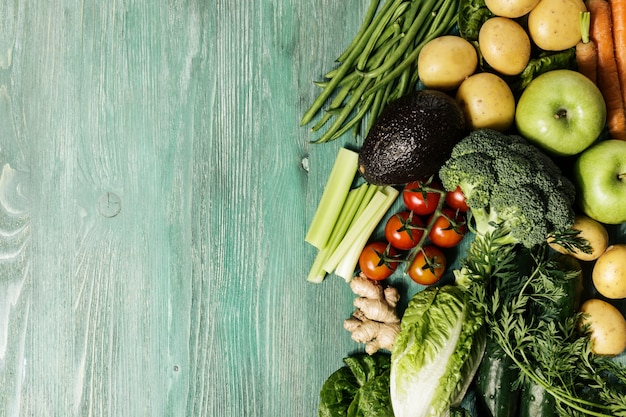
[550,350]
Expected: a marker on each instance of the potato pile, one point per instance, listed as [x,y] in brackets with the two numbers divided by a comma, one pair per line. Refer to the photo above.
[505,41]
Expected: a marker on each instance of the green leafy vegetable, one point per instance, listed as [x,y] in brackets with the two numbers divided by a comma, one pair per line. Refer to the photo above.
[358,389]
[437,352]
[544,62]
[533,321]
[380,64]
[472,15]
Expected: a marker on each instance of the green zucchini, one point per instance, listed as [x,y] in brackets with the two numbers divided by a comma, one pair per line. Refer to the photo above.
[536,401]
[495,395]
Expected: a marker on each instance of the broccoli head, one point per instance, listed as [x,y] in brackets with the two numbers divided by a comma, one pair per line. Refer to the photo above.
[509,183]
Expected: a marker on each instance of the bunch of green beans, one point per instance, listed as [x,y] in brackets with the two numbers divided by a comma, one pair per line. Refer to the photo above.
[379,65]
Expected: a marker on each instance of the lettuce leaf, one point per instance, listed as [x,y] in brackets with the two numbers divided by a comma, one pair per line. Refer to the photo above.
[435,356]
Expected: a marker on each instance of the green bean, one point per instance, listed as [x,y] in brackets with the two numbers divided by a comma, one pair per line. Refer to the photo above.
[435,30]
[336,128]
[391,32]
[379,65]
[381,54]
[406,42]
[349,107]
[382,97]
[410,14]
[363,109]
[367,20]
[338,100]
[343,69]
[355,79]
[389,16]
[403,84]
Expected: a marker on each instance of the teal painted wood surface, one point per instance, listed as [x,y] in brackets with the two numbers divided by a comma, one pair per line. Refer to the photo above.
[155,188]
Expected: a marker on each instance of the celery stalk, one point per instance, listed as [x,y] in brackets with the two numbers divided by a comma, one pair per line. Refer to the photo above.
[360,231]
[333,198]
[353,203]
[371,190]
[347,265]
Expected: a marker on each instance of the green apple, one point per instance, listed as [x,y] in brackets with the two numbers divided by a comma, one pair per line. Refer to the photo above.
[600,178]
[561,112]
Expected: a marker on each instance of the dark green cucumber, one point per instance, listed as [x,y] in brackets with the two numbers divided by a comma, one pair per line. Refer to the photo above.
[536,401]
[495,396]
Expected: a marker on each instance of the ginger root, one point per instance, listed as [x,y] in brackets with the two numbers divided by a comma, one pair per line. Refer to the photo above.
[375,322]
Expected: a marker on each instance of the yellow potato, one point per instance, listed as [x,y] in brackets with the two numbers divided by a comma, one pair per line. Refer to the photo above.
[505,45]
[446,61]
[593,231]
[609,272]
[554,25]
[487,102]
[607,327]
[510,8]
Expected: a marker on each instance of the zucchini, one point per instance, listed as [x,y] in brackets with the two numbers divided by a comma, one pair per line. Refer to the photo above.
[536,401]
[495,395]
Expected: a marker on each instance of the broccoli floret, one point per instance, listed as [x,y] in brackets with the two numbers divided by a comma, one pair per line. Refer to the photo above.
[517,196]
[471,165]
[509,183]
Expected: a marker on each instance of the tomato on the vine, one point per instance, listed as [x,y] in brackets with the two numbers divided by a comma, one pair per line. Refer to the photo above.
[422,197]
[449,229]
[428,266]
[378,260]
[404,230]
[456,200]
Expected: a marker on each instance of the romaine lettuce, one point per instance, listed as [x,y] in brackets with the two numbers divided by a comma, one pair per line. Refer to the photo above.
[436,354]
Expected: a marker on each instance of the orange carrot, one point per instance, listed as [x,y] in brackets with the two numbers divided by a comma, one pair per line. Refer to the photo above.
[618,12]
[586,51]
[601,34]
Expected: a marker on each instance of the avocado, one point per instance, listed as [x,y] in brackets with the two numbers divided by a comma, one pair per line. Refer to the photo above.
[411,139]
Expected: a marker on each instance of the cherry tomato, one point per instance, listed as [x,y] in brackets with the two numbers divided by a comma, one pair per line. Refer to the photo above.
[428,266]
[404,230]
[422,197]
[445,233]
[456,200]
[377,260]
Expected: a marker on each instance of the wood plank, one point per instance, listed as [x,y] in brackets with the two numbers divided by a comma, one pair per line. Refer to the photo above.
[153,202]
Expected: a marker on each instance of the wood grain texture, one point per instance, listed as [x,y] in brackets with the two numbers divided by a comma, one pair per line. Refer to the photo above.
[155,188]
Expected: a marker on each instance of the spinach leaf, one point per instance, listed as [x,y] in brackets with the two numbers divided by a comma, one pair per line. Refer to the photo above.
[358,389]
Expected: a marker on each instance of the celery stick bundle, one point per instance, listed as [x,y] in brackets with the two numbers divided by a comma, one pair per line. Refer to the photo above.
[345,219]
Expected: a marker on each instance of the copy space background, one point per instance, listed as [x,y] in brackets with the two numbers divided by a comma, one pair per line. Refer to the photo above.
[155,190]
[153,203]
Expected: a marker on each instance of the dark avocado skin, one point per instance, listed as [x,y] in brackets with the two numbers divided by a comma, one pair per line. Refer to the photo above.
[411,138]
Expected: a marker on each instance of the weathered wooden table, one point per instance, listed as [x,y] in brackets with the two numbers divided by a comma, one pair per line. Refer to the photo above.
[155,188]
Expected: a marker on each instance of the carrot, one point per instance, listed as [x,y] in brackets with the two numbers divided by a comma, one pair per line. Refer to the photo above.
[618,11]
[586,51]
[601,34]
